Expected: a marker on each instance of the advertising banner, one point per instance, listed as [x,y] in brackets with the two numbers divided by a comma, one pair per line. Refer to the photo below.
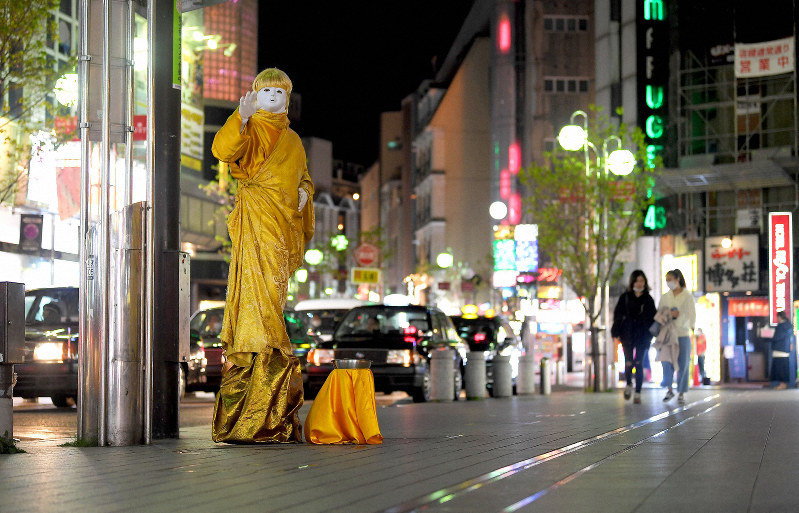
[780,265]
[763,59]
[732,264]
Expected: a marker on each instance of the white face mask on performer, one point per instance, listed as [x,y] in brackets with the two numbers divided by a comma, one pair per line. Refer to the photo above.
[671,284]
[272,99]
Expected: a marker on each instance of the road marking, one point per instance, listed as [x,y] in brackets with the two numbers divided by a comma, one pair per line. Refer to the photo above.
[451,492]
[534,497]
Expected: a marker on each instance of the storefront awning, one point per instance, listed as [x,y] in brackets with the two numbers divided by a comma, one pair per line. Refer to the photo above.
[723,177]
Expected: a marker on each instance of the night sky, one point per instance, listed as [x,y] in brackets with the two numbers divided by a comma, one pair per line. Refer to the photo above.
[352,60]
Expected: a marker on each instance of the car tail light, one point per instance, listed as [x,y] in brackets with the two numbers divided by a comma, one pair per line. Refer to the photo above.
[320,356]
[50,351]
[479,337]
[402,357]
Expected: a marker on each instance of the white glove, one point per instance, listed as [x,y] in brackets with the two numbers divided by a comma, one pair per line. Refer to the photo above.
[248,105]
[303,199]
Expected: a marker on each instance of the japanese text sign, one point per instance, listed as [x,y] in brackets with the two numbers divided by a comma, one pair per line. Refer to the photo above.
[364,275]
[763,59]
[780,265]
[734,266]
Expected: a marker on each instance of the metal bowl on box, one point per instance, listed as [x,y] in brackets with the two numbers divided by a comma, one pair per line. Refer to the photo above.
[352,364]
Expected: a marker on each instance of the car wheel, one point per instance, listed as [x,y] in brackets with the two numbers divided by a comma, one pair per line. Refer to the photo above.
[181,382]
[61,401]
[422,394]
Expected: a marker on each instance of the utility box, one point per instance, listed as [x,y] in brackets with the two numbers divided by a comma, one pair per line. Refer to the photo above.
[12,322]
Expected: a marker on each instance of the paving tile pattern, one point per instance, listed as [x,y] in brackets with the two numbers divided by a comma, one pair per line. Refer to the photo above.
[736,451]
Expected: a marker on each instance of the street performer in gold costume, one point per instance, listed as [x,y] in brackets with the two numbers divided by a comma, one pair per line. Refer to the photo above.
[261,391]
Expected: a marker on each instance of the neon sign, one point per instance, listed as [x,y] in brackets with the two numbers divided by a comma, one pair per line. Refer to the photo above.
[653,70]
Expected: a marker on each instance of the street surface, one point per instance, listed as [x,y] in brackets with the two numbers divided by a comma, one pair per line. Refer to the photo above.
[42,422]
[726,450]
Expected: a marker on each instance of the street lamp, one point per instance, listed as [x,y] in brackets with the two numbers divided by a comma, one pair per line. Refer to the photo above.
[621,162]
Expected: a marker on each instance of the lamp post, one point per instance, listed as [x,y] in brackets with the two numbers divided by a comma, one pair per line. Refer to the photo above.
[621,162]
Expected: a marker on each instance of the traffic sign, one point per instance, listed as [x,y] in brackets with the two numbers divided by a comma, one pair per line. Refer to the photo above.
[365,275]
[367,255]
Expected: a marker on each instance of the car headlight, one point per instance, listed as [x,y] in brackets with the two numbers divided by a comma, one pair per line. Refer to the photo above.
[320,356]
[48,351]
[488,355]
[400,356]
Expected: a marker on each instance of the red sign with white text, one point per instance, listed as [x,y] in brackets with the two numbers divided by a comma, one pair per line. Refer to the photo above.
[780,264]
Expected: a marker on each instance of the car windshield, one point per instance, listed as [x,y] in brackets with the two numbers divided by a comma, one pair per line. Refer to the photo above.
[208,323]
[385,320]
[52,306]
[323,321]
[295,327]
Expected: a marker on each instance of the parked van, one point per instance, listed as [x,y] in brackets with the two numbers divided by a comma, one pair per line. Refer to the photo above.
[322,315]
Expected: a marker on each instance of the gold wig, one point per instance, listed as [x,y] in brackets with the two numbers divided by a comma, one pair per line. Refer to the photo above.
[273,77]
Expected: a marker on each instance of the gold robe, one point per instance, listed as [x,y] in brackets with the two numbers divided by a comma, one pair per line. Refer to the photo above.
[261,394]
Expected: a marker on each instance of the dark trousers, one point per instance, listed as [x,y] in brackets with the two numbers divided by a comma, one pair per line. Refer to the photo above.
[634,352]
[701,362]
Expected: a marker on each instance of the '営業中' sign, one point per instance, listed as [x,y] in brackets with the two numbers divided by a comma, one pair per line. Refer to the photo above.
[731,267]
[780,265]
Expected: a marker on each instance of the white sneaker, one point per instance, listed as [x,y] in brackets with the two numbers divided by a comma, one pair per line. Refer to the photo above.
[669,395]
[681,399]
[637,398]
[628,391]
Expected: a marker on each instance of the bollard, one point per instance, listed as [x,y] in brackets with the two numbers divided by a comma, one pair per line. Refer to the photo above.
[475,375]
[503,384]
[442,375]
[6,400]
[525,381]
[560,372]
[546,377]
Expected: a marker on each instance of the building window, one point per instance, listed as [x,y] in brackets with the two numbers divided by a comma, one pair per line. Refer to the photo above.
[569,85]
[549,145]
[566,23]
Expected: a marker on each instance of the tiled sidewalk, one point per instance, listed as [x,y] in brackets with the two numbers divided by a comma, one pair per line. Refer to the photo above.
[725,451]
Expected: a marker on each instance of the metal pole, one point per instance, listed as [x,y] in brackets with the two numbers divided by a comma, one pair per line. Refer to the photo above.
[149,256]
[104,220]
[84,424]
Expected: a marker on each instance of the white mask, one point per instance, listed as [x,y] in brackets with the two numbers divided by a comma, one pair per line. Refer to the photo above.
[638,289]
[671,284]
[272,99]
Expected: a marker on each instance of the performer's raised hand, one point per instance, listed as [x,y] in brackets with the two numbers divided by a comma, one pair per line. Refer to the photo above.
[248,105]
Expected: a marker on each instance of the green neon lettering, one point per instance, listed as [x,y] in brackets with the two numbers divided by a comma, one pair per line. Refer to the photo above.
[649,220]
[654,10]
[654,97]
[654,127]
[652,152]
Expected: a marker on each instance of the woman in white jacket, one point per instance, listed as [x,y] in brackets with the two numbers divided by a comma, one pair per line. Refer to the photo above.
[683,310]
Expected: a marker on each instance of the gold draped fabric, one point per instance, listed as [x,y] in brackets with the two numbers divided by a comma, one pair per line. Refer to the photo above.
[344,410]
[261,393]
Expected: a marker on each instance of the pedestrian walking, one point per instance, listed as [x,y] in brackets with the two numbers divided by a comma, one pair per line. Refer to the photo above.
[261,391]
[783,344]
[682,308]
[634,313]
[701,347]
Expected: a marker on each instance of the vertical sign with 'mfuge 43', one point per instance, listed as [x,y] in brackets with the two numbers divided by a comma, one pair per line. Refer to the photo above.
[652,48]
[780,272]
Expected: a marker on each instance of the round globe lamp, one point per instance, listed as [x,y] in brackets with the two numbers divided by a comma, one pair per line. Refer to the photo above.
[621,162]
[572,137]
[498,210]
[313,257]
[444,260]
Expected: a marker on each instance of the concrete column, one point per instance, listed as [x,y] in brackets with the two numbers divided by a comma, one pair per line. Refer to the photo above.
[442,375]
[475,375]
[503,383]
[525,381]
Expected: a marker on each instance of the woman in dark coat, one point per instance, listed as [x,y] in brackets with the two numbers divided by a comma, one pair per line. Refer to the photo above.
[634,314]
[783,368]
